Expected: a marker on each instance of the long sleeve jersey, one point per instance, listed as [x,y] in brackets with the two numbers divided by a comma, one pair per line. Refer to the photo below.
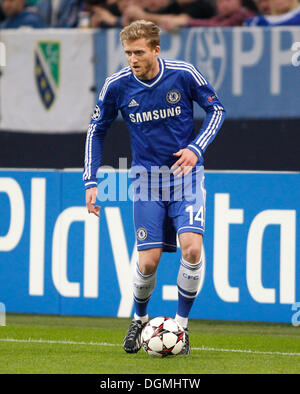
[158,113]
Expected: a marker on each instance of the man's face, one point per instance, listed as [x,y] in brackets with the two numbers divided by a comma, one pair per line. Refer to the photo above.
[12,7]
[142,58]
[281,6]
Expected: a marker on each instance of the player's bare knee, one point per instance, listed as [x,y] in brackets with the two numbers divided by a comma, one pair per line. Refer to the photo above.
[148,260]
[192,253]
[148,266]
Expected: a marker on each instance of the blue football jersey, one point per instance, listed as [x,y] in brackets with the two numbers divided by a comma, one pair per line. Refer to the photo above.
[158,113]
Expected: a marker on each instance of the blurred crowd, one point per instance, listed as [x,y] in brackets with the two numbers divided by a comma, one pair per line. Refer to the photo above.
[170,15]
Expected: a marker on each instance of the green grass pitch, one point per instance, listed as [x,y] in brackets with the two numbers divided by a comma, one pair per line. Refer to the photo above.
[36,344]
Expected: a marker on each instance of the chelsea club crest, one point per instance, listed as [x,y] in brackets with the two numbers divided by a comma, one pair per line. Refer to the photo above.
[141,234]
[173,96]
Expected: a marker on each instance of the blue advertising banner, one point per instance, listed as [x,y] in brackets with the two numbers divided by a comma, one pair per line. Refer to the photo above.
[255,71]
[57,259]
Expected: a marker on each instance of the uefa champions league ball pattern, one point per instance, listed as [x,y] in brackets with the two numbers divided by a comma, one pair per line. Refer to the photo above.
[163,336]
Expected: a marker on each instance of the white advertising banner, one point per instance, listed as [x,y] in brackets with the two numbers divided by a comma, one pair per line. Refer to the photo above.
[47,80]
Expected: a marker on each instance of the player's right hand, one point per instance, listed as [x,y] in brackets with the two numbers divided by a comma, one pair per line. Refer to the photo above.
[90,199]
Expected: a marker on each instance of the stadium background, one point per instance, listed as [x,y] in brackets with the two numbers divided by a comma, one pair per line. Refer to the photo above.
[48,261]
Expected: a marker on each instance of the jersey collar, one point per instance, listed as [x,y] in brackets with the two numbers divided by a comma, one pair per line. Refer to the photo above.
[160,74]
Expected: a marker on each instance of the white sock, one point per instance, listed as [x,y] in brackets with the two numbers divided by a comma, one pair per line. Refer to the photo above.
[183,321]
[188,283]
[143,286]
[143,319]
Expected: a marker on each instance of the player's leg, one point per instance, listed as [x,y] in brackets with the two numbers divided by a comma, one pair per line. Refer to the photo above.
[188,279]
[189,220]
[189,274]
[148,220]
[144,278]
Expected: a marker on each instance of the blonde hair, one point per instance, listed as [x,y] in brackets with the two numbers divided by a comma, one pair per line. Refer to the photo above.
[141,29]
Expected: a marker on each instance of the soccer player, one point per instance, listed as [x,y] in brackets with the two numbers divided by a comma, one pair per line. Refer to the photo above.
[155,97]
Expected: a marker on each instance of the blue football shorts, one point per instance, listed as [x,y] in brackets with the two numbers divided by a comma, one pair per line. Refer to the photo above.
[168,208]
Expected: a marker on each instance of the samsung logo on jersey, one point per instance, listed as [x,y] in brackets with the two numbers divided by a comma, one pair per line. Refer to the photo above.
[155,114]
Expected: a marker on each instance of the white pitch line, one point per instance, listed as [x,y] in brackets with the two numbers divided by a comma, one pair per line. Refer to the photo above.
[30,340]
[211,349]
[203,348]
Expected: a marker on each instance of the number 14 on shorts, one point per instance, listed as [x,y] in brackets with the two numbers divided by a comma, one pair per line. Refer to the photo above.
[199,217]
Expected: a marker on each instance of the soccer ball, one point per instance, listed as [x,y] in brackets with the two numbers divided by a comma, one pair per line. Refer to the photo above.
[163,336]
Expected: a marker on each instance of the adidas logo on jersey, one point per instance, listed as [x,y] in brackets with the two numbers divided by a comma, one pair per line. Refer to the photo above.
[133,103]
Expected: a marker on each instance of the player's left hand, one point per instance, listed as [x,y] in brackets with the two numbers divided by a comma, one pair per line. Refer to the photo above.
[187,160]
[90,199]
